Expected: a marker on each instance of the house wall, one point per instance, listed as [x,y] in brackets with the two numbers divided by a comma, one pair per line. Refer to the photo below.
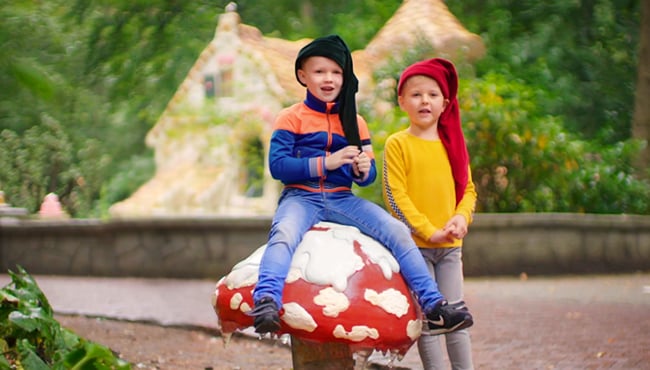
[498,244]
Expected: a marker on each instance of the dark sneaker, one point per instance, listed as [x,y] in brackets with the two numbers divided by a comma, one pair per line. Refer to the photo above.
[446,318]
[267,317]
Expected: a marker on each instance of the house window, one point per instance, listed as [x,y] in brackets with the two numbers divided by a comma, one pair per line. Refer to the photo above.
[209,85]
[226,88]
[220,85]
[253,164]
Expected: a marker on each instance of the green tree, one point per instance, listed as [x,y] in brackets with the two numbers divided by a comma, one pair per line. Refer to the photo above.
[641,123]
[355,21]
[582,52]
[523,160]
[90,78]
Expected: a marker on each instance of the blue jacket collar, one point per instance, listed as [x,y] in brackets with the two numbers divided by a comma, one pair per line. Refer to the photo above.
[318,105]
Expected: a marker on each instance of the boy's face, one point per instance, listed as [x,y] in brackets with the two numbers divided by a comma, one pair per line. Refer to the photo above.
[322,76]
[422,100]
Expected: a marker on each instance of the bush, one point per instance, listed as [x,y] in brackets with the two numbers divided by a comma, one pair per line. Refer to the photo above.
[524,160]
[32,339]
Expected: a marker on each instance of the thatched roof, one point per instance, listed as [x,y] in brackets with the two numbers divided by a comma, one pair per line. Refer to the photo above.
[280,55]
[428,21]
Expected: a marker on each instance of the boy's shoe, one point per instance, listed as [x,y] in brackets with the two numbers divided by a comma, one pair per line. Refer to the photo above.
[267,317]
[446,318]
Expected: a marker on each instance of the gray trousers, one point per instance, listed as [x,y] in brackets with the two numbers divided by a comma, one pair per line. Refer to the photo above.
[446,267]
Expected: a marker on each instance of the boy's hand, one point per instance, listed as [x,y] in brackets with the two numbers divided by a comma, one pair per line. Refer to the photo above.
[361,164]
[337,159]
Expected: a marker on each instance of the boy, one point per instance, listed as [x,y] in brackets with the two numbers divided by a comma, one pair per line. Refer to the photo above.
[319,147]
[428,185]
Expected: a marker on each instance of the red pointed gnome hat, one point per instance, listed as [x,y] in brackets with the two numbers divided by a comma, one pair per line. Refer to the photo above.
[449,127]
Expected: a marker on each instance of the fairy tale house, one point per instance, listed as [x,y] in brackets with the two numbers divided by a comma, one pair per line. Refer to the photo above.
[211,141]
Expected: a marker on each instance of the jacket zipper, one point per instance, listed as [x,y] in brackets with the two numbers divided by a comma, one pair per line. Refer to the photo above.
[329,142]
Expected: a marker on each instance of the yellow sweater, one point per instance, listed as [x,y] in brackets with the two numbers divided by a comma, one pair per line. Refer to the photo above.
[418,187]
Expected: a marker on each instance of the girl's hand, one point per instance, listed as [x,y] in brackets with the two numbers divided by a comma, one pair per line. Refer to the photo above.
[441,236]
[457,226]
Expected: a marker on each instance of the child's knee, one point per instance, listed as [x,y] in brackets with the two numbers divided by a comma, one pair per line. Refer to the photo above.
[399,231]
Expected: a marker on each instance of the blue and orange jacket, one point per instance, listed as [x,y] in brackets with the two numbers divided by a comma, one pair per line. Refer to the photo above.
[303,135]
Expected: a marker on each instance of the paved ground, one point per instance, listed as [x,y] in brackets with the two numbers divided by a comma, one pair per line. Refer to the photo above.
[579,322]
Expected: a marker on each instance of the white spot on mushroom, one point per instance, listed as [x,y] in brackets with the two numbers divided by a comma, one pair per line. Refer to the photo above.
[390,300]
[244,307]
[327,261]
[235,301]
[357,334]
[293,275]
[297,317]
[215,296]
[414,329]
[334,302]
[377,253]
[245,272]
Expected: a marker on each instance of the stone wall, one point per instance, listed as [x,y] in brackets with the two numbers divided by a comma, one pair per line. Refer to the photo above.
[498,244]
[557,243]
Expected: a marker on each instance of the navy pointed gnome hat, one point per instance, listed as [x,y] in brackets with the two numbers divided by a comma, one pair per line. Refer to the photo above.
[333,47]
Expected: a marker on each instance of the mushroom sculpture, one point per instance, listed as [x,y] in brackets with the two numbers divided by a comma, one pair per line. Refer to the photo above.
[342,287]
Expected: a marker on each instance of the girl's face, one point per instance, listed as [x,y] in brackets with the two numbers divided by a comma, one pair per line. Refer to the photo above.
[323,77]
[423,101]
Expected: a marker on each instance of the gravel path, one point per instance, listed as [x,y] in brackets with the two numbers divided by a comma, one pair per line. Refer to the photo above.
[571,322]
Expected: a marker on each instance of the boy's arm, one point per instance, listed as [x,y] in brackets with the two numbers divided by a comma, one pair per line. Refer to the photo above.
[284,166]
[395,195]
[366,145]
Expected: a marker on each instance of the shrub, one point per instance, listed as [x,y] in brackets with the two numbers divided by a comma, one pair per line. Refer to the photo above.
[524,160]
[32,339]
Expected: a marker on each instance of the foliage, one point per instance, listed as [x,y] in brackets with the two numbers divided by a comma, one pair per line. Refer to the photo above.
[36,163]
[33,340]
[127,179]
[583,52]
[355,21]
[54,129]
[523,161]
[83,82]
[43,160]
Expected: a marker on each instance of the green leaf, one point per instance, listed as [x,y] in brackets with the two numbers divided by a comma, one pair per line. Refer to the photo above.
[4,364]
[29,358]
[32,77]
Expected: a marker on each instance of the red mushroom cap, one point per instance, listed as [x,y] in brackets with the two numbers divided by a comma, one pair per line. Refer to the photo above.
[342,286]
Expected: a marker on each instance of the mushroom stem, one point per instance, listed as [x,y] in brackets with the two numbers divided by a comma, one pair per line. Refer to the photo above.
[308,355]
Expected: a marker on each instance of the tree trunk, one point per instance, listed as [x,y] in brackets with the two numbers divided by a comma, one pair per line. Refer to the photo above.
[641,120]
[320,356]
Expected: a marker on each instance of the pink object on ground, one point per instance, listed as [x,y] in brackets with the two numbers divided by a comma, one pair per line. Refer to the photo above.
[51,207]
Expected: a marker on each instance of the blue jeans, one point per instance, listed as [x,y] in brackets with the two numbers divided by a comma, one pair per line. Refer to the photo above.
[298,210]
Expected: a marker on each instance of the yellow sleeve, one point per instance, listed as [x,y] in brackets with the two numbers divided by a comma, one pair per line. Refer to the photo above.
[394,189]
[467,205]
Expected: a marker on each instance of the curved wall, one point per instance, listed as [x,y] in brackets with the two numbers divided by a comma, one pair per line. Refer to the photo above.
[498,244]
